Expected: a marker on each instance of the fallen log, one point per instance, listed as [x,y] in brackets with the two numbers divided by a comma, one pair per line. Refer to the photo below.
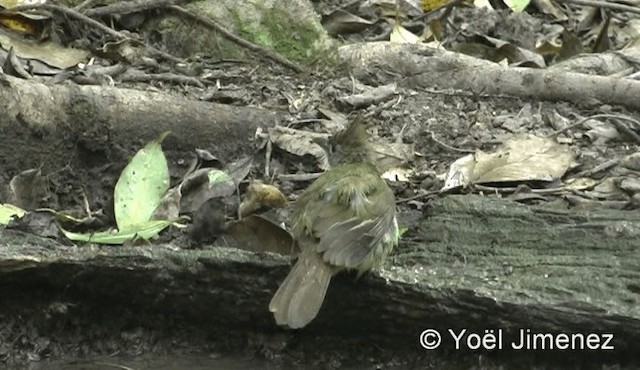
[86,129]
[477,263]
[418,66]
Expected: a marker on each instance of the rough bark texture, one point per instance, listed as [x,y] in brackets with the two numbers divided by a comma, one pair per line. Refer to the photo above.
[420,66]
[488,264]
[77,133]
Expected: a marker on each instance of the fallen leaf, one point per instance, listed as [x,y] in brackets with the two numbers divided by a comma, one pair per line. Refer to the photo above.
[258,234]
[340,22]
[260,195]
[8,211]
[142,185]
[28,189]
[524,158]
[301,143]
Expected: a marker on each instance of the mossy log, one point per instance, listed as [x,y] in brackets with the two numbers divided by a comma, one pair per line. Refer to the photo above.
[473,263]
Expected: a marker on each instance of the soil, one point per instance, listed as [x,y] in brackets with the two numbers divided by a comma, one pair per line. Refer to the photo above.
[43,329]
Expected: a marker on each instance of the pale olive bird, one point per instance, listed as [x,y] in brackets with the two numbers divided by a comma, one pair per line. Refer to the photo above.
[346,219]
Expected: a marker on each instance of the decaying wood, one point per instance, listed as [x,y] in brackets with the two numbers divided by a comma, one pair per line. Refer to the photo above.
[420,66]
[486,264]
[55,126]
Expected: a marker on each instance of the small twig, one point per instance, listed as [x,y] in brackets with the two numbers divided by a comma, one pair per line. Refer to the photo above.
[599,168]
[628,2]
[91,22]
[447,146]
[117,366]
[474,95]
[162,77]
[508,190]
[626,130]
[418,196]
[86,4]
[71,13]
[300,177]
[85,203]
[624,73]
[573,125]
[239,201]
[126,7]
[269,54]
[447,6]
[390,155]
[604,4]
[267,157]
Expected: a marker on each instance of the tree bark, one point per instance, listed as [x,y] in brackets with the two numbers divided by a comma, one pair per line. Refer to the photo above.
[87,129]
[420,66]
[487,264]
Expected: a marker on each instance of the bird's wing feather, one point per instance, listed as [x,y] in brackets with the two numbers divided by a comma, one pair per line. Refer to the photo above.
[350,217]
[350,242]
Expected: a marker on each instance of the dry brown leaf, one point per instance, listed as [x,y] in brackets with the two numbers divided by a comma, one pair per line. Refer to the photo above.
[524,158]
[258,234]
[260,195]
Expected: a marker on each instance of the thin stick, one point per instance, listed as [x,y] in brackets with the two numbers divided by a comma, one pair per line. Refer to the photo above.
[269,54]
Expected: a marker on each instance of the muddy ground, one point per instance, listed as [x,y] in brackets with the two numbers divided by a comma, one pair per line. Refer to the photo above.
[42,327]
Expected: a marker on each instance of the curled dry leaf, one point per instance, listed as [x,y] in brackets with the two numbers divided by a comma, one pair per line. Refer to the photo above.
[631,162]
[581,183]
[14,66]
[46,52]
[630,185]
[524,158]
[205,183]
[516,56]
[205,156]
[258,234]
[208,221]
[402,35]
[608,189]
[260,195]
[601,132]
[28,189]
[373,95]
[301,143]
[335,122]
[202,185]
[36,25]
[393,155]
[40,223]
[169,207]
[341,22]
[240,168]
[8,212]
[549,7]
[128,50]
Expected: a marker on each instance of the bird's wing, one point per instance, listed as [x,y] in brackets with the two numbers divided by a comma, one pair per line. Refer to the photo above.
[352,219]
[350,242]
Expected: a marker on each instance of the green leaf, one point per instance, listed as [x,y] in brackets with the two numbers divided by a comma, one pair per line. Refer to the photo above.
[145,230]
[401,231]
[517,5]
[7,211]
[217,176]
[141,185]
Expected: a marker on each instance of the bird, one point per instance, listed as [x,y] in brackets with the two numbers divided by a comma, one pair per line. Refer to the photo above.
[345,220]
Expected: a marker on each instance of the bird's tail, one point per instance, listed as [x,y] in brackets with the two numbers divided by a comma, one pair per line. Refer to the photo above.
[301,294]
